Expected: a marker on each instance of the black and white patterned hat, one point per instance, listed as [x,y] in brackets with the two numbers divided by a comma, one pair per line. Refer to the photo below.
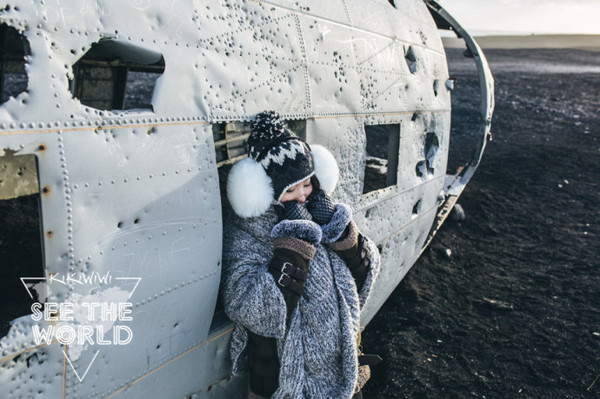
[284,156]
[277,160]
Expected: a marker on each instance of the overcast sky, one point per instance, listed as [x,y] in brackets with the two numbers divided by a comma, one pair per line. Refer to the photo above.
[526,16]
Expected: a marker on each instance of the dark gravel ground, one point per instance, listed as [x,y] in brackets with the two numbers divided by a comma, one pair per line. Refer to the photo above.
[515,310]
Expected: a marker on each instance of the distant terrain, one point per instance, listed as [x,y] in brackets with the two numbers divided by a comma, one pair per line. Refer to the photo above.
[581,42]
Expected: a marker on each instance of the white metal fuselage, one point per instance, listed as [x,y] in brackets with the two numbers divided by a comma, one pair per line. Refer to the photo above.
[132,197]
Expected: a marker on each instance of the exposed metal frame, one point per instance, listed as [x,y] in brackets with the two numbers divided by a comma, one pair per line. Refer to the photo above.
[444,20]
[454,186]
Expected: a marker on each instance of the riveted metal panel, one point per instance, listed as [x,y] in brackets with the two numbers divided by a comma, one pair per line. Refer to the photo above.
[335,10]
[334,81]
[345,137]
[189,375]
[27,374]
[251,68]
[406,20]
[163,332]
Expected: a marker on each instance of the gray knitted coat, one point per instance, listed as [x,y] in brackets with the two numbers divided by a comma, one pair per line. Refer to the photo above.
[318,349]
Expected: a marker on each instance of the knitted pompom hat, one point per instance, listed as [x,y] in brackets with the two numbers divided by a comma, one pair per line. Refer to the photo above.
[285,157]
[277,160]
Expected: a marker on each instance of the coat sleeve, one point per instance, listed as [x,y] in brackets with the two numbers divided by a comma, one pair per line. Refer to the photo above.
[375,266]
[333,234]
[250,295]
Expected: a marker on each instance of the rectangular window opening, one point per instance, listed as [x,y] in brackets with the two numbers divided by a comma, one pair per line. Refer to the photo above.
[13,49]
[381,164]
[21,245]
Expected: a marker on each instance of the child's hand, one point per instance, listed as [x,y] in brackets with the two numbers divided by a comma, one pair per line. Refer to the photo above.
[293,210]
[321,207]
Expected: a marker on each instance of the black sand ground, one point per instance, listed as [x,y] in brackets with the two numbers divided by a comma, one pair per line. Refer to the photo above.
[515,310]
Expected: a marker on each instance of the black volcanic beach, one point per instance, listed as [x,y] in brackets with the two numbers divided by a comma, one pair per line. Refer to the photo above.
[514,311]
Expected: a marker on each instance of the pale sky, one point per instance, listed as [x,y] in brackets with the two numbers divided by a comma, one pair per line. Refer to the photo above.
[526,16]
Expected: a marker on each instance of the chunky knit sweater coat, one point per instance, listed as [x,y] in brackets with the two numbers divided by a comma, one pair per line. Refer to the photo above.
[317,347]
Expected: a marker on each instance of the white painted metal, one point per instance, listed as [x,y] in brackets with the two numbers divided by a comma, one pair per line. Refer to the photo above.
[136,193]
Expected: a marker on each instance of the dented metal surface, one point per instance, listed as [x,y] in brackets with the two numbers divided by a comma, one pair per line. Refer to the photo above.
[132,197]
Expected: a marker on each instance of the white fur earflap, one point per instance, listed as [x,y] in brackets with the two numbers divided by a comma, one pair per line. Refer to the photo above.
[326,167]
[249,189]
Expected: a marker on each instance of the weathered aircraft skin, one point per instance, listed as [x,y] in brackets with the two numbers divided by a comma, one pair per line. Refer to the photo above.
[131,200]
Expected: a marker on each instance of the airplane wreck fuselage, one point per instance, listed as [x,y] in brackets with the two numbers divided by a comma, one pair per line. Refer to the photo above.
[124,117]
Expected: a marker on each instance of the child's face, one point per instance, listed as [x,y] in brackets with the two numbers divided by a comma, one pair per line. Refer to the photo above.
[299,192]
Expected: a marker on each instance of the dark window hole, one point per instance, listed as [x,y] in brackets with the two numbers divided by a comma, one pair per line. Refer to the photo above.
[114,75]
[21,243]
[381,164]
[13,49]
[431,147]
[421,168]
[417,208]
[411,60]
